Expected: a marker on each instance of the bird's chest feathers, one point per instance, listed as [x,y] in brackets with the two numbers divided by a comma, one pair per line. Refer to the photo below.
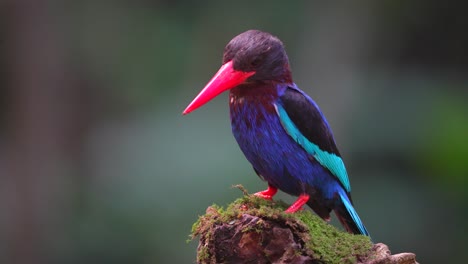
[255,123]
[252,111]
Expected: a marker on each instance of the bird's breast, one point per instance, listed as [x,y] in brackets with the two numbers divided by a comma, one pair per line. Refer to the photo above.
[249,113]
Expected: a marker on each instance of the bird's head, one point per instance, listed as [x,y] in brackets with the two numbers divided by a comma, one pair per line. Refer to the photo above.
[259,52]
[252,56]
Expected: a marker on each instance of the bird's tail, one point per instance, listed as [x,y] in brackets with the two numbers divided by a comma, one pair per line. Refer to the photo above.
[348,216]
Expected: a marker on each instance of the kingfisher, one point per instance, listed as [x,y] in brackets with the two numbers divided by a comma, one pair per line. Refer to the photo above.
[280,129]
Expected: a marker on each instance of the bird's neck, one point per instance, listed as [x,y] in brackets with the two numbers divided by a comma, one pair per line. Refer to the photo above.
[255,89]
[254,97]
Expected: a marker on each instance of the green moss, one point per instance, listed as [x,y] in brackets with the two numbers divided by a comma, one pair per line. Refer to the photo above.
[331,244]
[203,255]
[324,242]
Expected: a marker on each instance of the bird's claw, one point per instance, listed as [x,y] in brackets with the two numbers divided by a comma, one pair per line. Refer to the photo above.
[268,193]
[263,196]
[297,205]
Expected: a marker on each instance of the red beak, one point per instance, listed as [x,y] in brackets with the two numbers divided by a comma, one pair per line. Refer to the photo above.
[225,79]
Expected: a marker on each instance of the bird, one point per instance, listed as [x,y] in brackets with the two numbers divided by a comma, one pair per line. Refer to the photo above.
[280,129]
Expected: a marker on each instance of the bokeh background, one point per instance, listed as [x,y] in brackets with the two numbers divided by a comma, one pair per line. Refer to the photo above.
[97,164]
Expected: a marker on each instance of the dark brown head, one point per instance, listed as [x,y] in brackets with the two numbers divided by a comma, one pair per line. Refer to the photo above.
[260,52]
[253,56]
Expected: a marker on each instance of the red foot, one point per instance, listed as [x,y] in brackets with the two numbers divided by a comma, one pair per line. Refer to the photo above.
[268,193]
[297,205]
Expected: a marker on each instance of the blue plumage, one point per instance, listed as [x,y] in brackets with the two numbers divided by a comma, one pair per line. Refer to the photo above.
[329,160]
[351,212]
[284,157]
[280,129]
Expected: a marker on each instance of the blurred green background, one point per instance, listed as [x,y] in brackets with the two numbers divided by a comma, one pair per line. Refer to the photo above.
[97,164]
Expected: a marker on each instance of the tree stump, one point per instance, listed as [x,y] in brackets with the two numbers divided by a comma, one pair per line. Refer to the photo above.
[253,230]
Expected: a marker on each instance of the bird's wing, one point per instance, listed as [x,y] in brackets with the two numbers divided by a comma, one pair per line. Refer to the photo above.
[305,123]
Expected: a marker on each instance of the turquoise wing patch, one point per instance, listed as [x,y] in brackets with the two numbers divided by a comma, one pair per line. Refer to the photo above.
[329,160]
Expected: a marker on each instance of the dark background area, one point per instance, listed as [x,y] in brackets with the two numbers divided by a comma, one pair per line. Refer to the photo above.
[97,164]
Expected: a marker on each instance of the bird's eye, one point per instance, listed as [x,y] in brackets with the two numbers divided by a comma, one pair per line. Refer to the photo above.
[255,62]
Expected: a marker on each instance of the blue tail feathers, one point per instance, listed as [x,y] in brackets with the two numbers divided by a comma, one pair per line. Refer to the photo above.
[348,216]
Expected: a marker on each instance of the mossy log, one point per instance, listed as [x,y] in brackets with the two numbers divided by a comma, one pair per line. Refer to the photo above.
[253,230]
